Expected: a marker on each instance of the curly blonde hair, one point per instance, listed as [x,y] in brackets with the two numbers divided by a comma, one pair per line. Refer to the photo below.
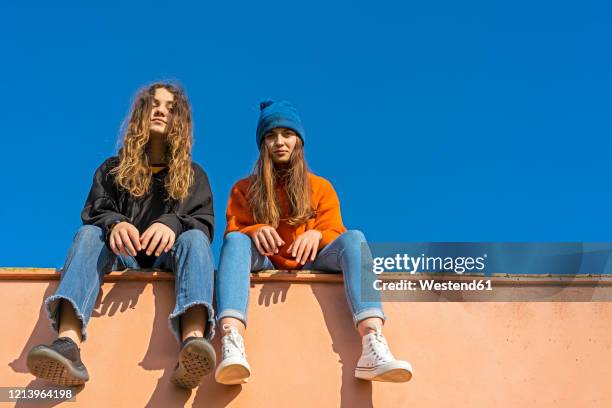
[133,173]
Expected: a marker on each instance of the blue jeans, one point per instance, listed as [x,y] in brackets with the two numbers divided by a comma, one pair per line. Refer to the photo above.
[239,257]
[89,259]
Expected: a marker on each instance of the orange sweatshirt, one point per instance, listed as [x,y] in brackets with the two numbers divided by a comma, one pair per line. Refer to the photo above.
[327,218]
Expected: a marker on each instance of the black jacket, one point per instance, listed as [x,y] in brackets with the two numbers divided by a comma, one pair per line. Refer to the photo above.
[107,203]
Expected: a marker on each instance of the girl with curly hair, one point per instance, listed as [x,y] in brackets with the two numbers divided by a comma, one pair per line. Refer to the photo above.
[149,207]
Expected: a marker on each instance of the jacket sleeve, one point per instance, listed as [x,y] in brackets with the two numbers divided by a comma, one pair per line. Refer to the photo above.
[239,215]
[195,211]
[328,219]
[101,207]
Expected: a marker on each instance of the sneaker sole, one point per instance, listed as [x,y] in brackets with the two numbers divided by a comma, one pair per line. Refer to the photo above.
[390,372]
[52,366]
[195,361]
[232,372]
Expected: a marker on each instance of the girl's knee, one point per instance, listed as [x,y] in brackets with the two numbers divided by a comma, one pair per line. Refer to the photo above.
[89,233]
[193,237]
[353,236]
[236,237]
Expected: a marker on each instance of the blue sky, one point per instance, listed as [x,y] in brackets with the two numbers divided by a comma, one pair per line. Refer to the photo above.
[435,121]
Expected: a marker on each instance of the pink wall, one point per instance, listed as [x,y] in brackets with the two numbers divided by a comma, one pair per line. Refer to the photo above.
[302,349]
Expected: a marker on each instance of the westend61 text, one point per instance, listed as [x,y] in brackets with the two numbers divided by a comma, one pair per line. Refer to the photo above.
[431,284]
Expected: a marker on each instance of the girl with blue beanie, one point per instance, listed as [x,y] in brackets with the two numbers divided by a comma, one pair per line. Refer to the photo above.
[285,217]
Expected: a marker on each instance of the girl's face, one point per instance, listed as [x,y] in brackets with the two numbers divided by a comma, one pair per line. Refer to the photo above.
[161,111]
[280,143]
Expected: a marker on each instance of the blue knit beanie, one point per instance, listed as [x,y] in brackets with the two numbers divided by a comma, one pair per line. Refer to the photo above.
[278,114]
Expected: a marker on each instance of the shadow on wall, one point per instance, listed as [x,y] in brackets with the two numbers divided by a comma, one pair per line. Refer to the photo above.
[41,333]
[163,349]
[162,354]
[346,343]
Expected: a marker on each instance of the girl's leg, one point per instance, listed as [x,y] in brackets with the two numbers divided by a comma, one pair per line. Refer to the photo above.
[80,272]
[88,260]
[351,254]
[231,321]
[69,323]
[369,325]
[192,320]
[191,260]
[238,258]
[70,307]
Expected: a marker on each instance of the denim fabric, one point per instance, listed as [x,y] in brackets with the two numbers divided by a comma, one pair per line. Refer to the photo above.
[239,257]
[89,259]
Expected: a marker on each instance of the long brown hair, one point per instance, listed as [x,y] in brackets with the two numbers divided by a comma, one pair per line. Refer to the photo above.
[262,188]
[133,172]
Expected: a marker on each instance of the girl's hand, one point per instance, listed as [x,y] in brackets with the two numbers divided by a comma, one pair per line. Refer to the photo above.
[305,247]
[124,239]
[158,237]
[267,241]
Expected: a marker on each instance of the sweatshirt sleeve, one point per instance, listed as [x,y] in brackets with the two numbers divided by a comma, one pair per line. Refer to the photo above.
[195,211]
[328,219]
[101,207]
[239,215]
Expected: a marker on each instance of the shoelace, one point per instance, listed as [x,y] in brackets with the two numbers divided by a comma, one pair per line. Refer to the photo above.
[232,341]
[380,348]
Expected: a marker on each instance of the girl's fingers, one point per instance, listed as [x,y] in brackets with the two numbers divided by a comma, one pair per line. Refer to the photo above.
[154,241]
[162,244]
[123,250]
[111,241]
[313,253]
[271,241]
[133,234]
[277,238]
[127,243]
[301,249]
[305,253]
[145,238]
[258,245]
[170,244]
[295,245]
[118,243]
[308,253]
[265,243]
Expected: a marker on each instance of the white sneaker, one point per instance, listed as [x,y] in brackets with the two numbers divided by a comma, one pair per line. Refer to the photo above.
[234,368]
[378,364]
